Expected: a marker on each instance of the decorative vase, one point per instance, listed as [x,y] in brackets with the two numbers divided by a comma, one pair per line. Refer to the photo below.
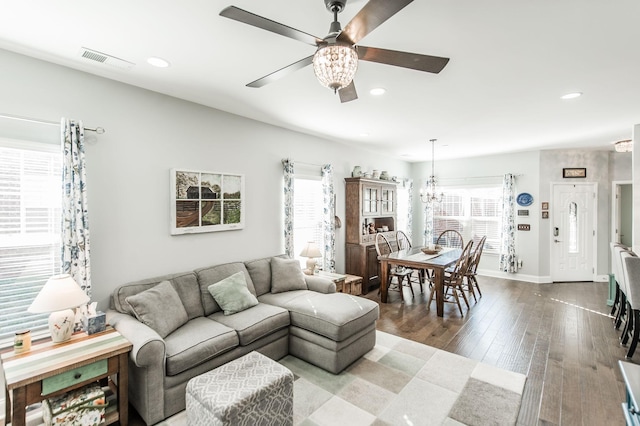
[376,174]
[384,175]
[357,172]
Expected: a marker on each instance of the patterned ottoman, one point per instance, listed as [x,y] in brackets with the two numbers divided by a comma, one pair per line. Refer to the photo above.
[251,390]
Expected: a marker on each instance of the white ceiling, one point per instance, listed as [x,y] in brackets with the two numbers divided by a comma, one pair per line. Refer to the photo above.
[511,60]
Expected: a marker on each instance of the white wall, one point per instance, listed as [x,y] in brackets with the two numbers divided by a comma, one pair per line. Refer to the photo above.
[147,135]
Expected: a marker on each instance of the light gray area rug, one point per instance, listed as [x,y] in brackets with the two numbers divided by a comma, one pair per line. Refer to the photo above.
[401,382]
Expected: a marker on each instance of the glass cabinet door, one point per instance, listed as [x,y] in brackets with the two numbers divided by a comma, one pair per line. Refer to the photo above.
[388,200]
[370,200]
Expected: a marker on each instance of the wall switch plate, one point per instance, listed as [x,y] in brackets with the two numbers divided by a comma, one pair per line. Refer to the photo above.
[524,227]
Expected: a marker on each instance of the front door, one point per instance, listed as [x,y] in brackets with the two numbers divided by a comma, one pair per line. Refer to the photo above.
[573,232]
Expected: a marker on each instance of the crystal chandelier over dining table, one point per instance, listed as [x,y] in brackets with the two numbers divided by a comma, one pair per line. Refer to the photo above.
[430,192]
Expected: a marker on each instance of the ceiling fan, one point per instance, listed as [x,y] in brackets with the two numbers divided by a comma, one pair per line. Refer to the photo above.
[336,59]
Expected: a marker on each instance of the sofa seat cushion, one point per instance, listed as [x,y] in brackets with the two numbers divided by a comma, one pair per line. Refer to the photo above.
[281,299]
[196,342]
[255,322]
[336,316]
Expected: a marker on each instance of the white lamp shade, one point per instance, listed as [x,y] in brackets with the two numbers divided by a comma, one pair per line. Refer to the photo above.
[59,293]
[310,250]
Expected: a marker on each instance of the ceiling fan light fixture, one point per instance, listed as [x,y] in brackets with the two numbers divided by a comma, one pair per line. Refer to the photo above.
[335,65]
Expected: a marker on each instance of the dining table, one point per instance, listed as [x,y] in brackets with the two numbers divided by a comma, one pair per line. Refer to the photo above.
[415,258]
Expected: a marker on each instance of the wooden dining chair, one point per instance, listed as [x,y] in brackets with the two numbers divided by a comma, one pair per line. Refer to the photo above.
[450,238]
[447,238]
[383,246]
[470,281]
[403,242]
[453,280]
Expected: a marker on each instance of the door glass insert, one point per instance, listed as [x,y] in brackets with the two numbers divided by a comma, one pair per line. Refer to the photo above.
[573,227]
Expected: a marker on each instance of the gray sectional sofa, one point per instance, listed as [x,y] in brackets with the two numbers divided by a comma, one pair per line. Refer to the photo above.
[179,330]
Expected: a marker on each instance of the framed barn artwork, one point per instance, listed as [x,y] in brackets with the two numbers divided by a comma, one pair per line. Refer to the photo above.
[206,201]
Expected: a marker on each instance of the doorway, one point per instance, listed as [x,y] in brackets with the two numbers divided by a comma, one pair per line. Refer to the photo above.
[622,212]
[573,231]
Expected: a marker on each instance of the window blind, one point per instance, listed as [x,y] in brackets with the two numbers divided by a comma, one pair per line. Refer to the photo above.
[472,211]
[307,220]
[30,194]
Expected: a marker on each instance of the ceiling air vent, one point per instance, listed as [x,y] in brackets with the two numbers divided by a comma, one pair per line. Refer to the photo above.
[103,58]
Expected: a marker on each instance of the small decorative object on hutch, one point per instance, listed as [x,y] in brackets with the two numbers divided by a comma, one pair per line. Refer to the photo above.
[357,171]
[206,201]
[370,205]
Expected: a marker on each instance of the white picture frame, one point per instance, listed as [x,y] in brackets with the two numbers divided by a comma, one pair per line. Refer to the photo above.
[206,201]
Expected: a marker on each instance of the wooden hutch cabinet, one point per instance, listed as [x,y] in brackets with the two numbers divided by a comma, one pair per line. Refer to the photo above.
[368,201]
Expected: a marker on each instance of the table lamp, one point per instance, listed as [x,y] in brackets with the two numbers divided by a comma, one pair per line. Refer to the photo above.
[310,251]
[59,296]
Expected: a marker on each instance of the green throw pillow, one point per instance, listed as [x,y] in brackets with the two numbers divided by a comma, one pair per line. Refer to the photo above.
[232,294]
[286,275]
[160,308]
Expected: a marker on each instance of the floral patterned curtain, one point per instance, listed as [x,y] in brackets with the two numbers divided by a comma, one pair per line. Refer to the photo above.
[75,220]
[508,235]
[328,219]
[288,207]
[409,186]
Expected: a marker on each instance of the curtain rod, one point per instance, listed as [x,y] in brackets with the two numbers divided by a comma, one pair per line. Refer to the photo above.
[302,162]
[476,177]
[98,130]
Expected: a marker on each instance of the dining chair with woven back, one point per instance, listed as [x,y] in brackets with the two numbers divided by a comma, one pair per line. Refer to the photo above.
[403,242]
[471,282]
[453,280]
[383,246]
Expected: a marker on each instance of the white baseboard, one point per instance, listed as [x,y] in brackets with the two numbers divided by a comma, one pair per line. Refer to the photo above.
[530,278]
[535,279]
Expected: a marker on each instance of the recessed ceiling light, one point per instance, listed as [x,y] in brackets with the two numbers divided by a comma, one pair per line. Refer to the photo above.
[158,62]
[377,91]
[571,95]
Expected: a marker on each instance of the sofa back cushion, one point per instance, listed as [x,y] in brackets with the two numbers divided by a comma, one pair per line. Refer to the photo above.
[185,284]
[286,275]
[160,308]
[214,274]
[260,271]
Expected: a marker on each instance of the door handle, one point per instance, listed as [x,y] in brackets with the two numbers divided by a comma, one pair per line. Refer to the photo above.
[557,241]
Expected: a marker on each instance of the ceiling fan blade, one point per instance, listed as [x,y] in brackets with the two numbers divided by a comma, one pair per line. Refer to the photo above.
[277,75]
[414,61]
[369,18]
[348,93]
[252,19]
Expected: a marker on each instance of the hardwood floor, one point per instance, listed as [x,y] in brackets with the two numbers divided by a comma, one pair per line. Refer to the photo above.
[560,335]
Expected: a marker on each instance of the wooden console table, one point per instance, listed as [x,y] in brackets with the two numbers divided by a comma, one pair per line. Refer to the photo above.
[49,370]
